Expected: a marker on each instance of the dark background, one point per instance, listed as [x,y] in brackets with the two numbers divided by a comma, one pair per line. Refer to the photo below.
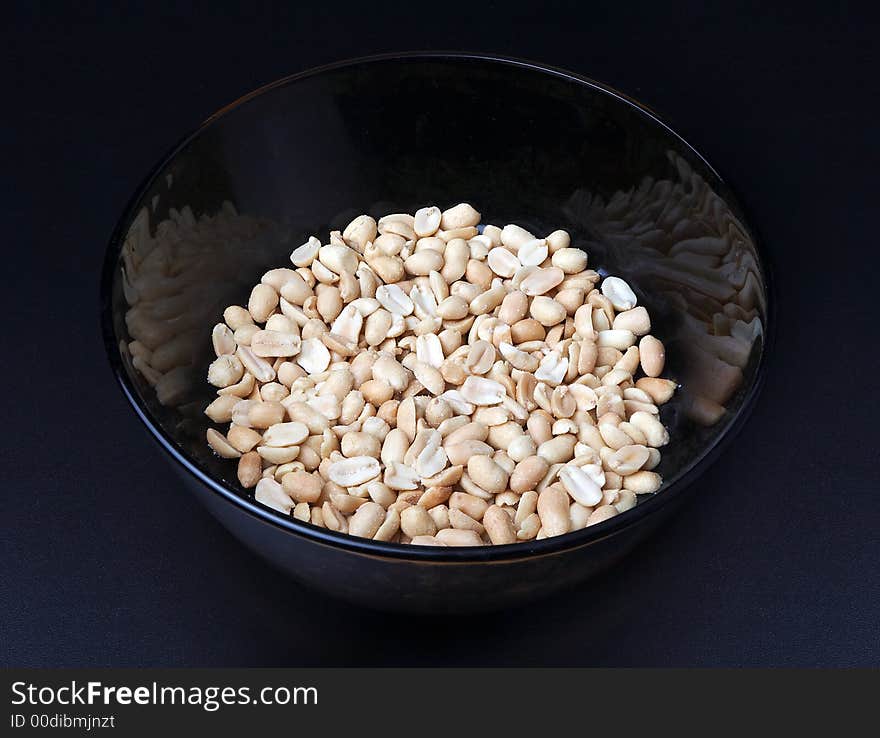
[105,561]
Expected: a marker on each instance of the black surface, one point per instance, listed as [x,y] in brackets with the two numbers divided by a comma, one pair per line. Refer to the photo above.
[106,562]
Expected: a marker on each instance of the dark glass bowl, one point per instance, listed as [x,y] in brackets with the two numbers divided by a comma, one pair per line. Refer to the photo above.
[542,147]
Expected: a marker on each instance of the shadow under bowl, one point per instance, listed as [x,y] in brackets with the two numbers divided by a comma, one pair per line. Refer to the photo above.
[541,147]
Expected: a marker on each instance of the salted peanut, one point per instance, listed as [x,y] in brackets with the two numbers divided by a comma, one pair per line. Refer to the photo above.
[425,541]
[217,441]
[263,300]
[352,406]
[499,527]
[453,307]
[503,262]
[377,327]
[295,289]
[381,493]
[458,537]
[456,257]
[514,307]
[578,515]
[480,357]
[367,520]
[220,410]
[571,299]
[601,514]
[557,450]
[450,476]
[250,468]
[389,527]
[304,255]
[636,321]
[275,344]
[583,323]
[394,447]
[437,411]
[469,504]
[642,482]
[626,500]
[532,253]
[613,436]
[529,528]
[619,293]
[355,470]
[338,259]
[552,369]
[542,281]
[654,431]
[527,330]
[243,439]
[302,511]
[570,261]
[416,521]
[462,215]
[461,453]
[617,339]
[553,511]
[487,474]
[423,262]
[491,416]
[547,311]
[628,459]
[304,413]
[653,356]
[470,431]
[281,323]
[487,301]
[408,414]
[271,494]
[264,414]
[244,334]
[236,316]
[434,496]
[377,391]
[528,473]
[539,426]
[387,411]
[430,378]
[221,339]
[526,507]
[501,436]
[558,240]
[521,447]
[481,391]
[329,301]
[359,232]
[427,221]
[278,454]
[466,233]
[360,444]
[562,403]
[333,519]
[513,236]
[580,485]
[388,369]
[225,370]
[388,268]
[462,521]
[629,362]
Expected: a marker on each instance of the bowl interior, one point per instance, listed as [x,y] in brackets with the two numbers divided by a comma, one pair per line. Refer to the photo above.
[523,144]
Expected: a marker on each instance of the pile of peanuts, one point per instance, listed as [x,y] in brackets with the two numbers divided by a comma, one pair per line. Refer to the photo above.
[426,379]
